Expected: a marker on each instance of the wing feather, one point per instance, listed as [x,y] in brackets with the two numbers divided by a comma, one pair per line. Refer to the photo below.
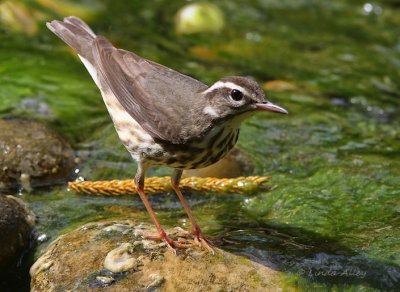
[160,99]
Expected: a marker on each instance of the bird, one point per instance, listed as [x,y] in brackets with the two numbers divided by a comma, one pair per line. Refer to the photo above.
[164,117]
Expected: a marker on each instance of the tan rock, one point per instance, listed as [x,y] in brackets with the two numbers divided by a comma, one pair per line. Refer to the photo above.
[75,261]
[121,259]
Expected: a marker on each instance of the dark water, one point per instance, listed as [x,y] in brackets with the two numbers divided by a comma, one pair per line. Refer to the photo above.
[331,220]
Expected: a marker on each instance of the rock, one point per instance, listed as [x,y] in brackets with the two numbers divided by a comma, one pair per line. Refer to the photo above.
[157,281]
[16,223]
[121,259]
[80,260]
[36,107]
[105,281]
[32,155]
[236,163]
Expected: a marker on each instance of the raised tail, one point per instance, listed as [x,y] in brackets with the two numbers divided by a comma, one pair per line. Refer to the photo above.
[75,33]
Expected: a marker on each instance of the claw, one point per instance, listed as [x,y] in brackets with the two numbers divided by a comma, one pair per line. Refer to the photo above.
[171,244]
[198,238]
[164,237]
[201,240]
[205,244]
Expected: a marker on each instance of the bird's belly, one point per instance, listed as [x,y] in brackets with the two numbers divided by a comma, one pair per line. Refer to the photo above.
[199,153]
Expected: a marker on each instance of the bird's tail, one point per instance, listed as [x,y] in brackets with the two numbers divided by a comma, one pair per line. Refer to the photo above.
[75,33]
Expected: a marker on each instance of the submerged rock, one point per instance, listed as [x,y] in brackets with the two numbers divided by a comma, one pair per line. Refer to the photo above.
[31,155]
[236,163]
[16,223]
[113,255]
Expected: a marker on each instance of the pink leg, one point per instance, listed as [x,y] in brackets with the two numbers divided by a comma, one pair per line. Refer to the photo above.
[175,179]
[139,180]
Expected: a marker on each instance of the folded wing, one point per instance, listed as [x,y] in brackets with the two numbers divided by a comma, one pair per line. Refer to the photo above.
[158,98]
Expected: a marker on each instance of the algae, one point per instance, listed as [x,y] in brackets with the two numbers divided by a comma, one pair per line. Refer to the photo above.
[334,160]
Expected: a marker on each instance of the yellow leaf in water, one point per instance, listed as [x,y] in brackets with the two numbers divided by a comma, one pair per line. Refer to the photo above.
[203,53]
[16,16]
[279,85]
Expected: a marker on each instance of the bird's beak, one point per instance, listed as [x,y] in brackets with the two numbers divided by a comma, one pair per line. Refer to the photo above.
[269,106]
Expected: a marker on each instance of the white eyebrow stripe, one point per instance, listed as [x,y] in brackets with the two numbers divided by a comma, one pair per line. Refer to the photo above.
[227,84]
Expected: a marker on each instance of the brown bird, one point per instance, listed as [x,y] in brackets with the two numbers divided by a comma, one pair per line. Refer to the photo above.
[162,116]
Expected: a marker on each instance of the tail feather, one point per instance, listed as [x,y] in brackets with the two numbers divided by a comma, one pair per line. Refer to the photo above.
[79,23]
[75,33]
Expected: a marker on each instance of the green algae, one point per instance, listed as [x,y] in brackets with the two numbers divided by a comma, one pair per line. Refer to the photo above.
[334,159]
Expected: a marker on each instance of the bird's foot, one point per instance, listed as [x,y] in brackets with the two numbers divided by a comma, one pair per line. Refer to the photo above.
[193,239]
[201,240]
[171,244]
[186,240]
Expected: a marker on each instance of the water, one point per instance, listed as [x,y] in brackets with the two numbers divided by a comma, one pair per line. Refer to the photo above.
[331,220]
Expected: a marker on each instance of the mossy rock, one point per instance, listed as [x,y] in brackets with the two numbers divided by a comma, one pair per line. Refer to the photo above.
[31,154]
[88,258]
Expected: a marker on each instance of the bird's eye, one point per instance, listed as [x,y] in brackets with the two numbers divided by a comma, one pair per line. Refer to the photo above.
[236,95]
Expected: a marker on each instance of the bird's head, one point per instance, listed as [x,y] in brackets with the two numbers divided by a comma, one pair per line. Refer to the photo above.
[236,97]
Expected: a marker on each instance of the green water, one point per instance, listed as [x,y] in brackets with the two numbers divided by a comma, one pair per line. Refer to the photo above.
[331,220]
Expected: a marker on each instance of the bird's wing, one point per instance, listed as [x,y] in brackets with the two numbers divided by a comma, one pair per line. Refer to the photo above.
[160,99]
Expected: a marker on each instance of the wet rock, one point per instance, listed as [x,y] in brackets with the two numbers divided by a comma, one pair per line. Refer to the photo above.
[16,223]
[236,163]
[105,280]
[32,155]
[157,281]
[37,107]
[80,260]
